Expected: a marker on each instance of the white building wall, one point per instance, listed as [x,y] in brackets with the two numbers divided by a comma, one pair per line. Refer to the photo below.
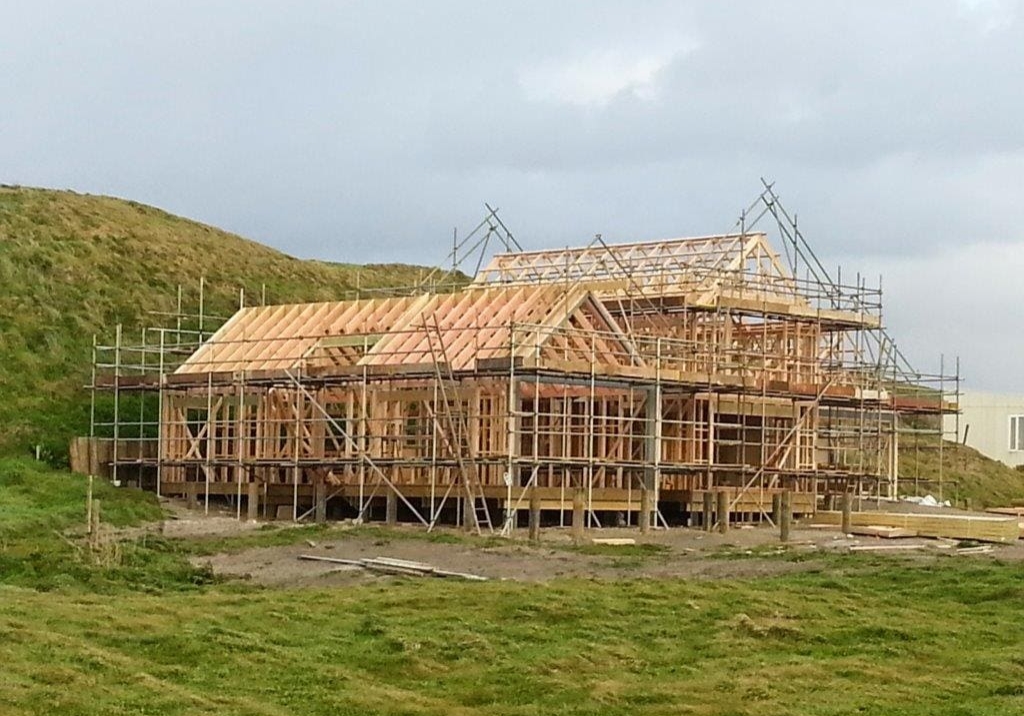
[985,417]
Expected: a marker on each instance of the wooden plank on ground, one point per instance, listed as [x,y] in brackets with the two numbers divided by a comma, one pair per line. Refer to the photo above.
[390,565]
[887,547]
[883,531]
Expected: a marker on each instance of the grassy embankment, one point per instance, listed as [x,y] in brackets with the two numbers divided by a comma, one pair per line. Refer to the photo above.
[155,635]
[74,265]
[966,474]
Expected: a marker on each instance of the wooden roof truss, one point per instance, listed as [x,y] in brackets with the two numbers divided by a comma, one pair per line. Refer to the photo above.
[702,266]
[468,327]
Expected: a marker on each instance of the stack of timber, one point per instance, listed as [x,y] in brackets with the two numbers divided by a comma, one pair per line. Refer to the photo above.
[1017,512]
[984,528]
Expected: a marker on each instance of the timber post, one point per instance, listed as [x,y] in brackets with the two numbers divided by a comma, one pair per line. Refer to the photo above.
[786,518]
[391,516]
[723,511]
[644,519]
[320,501]
[577,515]
[534,515]
[847,522]
[253,501]
[191,495]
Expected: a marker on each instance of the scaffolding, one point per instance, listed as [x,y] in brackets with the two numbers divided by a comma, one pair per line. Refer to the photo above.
[642,377]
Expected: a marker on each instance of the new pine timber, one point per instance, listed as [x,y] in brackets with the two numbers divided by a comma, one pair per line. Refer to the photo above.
[642,379]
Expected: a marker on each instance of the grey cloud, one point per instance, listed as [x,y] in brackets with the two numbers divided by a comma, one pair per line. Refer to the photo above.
[365,131]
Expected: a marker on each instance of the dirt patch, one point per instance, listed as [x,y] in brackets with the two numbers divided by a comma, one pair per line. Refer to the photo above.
[677,553]
[219,522]
[742,553]
[182,522]
[280,566]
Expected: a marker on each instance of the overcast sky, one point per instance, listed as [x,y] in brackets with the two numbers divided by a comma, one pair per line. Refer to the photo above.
[366,131]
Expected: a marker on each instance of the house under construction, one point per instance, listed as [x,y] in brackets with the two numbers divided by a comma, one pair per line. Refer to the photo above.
[642,376]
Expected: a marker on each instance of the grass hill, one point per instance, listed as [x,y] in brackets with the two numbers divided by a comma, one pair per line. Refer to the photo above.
[967,475]
[73,265]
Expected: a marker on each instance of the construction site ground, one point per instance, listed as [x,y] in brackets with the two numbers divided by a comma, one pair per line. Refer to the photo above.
[234,551]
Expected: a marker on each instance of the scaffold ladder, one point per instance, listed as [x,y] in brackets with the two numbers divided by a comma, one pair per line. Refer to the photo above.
[457,424]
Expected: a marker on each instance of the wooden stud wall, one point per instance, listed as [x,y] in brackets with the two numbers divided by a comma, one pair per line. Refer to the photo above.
[728,388]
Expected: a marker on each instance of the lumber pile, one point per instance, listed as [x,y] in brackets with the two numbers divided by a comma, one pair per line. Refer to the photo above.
[387,565]
[1017,512]
[983,528]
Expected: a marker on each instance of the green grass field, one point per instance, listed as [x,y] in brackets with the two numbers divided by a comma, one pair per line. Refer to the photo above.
[153,635]
[913,641]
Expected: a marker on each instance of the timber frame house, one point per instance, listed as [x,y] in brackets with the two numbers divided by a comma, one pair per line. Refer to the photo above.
[644,376]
